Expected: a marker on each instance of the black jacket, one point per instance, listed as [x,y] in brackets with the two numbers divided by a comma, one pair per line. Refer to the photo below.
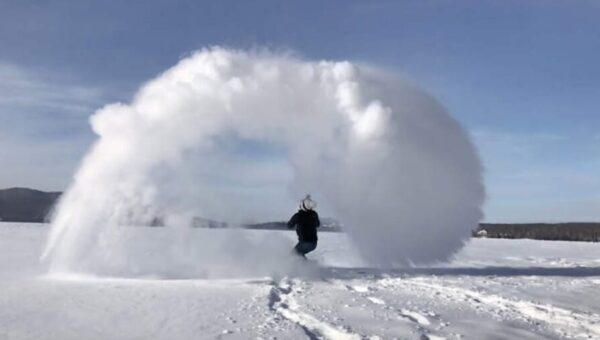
[306,223]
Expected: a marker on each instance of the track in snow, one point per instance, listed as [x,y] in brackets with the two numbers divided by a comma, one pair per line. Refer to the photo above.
[282,300]
[565,323]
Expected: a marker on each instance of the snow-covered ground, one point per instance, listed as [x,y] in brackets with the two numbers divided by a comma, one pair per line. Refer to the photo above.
[494,289]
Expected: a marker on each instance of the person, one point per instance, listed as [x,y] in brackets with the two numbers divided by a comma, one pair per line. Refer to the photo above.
[306,221]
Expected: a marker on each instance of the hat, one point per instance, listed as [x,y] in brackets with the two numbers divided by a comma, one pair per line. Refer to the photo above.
[307,203]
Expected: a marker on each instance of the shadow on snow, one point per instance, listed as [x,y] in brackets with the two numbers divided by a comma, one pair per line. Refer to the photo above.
[350,273]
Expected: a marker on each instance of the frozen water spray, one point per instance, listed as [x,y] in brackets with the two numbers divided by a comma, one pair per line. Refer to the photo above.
[235,135]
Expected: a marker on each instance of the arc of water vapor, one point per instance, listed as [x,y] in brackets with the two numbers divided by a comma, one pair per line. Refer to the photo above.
[399,172]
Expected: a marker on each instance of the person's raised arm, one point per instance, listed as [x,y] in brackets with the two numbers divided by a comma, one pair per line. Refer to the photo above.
[293,221]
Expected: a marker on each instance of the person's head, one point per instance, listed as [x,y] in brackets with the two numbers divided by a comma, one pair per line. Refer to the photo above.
[307,204]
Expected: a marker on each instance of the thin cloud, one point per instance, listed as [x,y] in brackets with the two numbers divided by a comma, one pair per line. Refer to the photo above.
[44,127]
[21,89]
[527,173]
[45,165]
[537,138]
[508,150]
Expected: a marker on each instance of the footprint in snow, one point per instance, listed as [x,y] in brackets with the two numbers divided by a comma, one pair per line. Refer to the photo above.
[431,337]
[376,300]
[415,317]
[359,289]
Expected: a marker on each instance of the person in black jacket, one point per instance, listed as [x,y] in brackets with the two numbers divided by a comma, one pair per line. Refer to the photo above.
[306,221]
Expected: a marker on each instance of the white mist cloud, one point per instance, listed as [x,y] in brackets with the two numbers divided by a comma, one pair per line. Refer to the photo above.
[397,170]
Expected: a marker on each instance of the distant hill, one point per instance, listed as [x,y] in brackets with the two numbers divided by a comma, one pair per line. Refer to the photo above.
[327,224]
[26,205]
[29,205]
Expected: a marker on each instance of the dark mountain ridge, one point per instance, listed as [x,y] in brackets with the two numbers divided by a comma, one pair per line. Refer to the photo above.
[26,205]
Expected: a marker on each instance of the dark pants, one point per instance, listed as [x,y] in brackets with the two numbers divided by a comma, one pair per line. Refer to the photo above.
[303,247]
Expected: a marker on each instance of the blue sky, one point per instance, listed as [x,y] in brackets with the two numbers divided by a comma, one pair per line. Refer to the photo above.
[522,76]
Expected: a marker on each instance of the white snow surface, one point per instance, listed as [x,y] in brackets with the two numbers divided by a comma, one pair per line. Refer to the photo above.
[493,289]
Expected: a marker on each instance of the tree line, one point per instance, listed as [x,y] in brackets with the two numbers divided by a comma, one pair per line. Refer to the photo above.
[589,232]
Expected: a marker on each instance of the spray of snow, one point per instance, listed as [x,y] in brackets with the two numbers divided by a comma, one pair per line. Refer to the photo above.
[237,136]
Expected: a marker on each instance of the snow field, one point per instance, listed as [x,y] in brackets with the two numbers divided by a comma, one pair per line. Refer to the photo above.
[494,289]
